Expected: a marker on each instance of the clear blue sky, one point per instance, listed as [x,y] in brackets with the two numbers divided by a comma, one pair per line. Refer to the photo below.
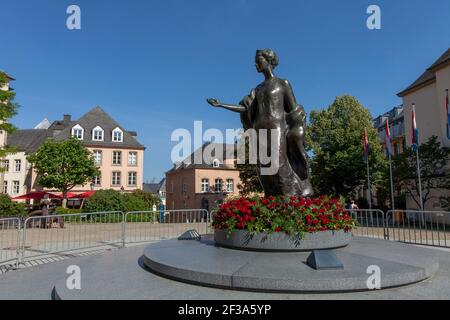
[151,64]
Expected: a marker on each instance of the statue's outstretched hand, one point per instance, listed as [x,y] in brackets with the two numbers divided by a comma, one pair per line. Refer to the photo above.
[214,102]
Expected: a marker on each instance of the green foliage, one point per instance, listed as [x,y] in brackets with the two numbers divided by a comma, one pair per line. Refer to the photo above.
[434,175]
[149,198]
[335,136]
[131,202]
[111,200]
[248,175]
[9,208]
[8,109]
[61,210]
[63,165]
[104,200]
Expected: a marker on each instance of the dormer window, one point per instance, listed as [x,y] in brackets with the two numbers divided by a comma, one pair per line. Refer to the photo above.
[98,134]
[216,163]
[117,135]
[78,132]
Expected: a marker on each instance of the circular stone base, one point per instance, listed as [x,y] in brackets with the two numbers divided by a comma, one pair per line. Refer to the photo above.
[203,263]
[280,242]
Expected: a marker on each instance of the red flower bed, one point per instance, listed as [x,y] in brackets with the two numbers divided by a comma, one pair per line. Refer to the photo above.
[291,215]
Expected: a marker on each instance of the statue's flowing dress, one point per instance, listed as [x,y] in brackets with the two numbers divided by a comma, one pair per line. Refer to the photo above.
[265,109]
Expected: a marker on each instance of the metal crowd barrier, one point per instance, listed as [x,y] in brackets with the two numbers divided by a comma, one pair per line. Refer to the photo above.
[10,233]
[431,228]
[371,223]
[145,226]
[70,234]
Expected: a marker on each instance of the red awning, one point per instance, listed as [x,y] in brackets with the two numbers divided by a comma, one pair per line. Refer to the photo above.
[84,195]
[37,195]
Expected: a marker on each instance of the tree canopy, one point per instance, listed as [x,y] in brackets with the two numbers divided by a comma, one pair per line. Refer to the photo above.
[8,109]
[62,165]
[434,175]
[335,137]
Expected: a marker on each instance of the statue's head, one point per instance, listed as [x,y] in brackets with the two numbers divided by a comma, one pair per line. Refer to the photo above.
[265,59]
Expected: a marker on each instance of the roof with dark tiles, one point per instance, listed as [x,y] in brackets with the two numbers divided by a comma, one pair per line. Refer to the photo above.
[429,76]
[189,163]
[92,119]
[28,140]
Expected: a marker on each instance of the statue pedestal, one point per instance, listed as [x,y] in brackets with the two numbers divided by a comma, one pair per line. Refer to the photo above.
[280,242]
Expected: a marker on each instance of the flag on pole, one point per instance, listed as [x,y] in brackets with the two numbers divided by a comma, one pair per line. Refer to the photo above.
[366,145]
[388,139]
[415,131]
[448,114]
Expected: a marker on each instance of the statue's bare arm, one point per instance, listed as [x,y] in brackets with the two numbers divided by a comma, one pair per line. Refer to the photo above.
[235,108]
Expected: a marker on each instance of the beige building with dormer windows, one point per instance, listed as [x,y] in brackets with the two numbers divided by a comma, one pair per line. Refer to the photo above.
[117,152]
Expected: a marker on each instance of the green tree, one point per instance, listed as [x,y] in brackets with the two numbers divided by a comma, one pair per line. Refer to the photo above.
[62,165]
[248,175]
[8,109]
[335,137]
[434,174]
[112,200]
[9,208]
[149,198]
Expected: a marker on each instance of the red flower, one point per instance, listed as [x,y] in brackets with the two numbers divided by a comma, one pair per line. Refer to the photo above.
[277,229]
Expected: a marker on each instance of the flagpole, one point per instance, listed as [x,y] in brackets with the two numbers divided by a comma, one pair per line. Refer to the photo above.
[389,154]
[367,152]
[415,144]
[368,185]
[418,175]
[392,183]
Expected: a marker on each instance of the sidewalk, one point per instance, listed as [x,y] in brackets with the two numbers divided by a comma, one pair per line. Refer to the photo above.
[37,282]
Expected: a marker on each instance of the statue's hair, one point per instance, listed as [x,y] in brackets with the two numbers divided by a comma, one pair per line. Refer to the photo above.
[270,56]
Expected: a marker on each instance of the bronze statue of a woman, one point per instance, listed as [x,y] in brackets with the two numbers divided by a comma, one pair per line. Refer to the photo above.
[272,106]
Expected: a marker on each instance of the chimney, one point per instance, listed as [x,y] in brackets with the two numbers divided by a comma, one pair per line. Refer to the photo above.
[67,118]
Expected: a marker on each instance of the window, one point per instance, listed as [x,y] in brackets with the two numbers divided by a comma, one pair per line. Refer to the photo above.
[117,158]
[132,178]
[184,187]
[205,185]
[78,132]
[97,155]
[6,165]
[97,181]
[216,163]
[117,135]
[218,185]
[5,186]
[17,165]
[230,185]
[16,187]
[132,158]
[116,178]
[98,134]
